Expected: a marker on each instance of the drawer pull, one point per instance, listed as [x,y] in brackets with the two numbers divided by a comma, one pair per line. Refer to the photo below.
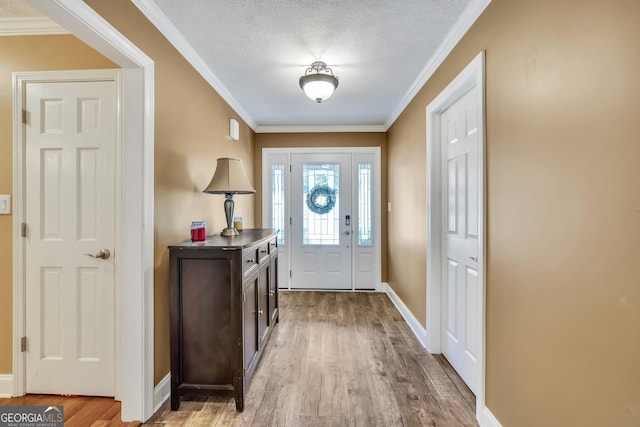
[250,260]
[263,251]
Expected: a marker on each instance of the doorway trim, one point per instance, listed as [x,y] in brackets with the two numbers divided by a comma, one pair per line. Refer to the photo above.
[377,205]
[134,318]
[473,76]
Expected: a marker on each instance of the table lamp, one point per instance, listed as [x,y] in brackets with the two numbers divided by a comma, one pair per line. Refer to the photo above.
[229,179]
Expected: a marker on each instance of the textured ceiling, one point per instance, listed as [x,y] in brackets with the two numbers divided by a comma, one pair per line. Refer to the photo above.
[253,52]
[17,9]
[256,50]
[18,17]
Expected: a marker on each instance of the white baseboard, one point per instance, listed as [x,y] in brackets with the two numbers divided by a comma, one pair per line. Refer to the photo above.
[161,392]
[6,385]
[411,320]
[488,419]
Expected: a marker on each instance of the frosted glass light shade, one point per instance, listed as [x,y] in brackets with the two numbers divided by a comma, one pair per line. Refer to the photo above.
[318,86]
[318,82]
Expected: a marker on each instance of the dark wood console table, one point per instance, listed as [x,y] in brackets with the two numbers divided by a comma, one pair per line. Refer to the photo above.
[224,304]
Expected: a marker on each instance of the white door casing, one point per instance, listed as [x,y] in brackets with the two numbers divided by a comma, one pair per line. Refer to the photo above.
[365,209]
[70,140]
[461,323]
[135,202]
[321,243]
[470,78]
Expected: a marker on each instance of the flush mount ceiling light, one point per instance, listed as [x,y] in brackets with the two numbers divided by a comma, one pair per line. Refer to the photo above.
[318,82]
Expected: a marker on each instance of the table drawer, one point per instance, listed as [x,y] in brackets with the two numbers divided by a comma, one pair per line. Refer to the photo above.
[273,245]
[249,260]
[263,252]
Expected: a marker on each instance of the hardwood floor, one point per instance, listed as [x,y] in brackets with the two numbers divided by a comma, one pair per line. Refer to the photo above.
[78,411]
[339,359]
[335,359]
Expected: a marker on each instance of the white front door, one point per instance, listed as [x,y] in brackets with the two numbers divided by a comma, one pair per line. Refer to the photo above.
[462,289]
[321,241]
[70,136]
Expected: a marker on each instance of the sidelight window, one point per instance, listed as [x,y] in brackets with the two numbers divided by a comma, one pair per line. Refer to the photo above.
[278,201]
[365,235]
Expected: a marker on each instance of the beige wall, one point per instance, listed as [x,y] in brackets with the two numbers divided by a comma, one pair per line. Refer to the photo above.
[342,139]
[32,53]
[563,172]
[191,132]
[563,98]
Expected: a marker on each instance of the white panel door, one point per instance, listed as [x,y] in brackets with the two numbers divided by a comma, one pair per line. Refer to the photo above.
[321,221]
[461,286]
[70,141]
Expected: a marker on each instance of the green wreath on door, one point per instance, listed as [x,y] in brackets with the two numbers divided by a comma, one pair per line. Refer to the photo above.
[321,199]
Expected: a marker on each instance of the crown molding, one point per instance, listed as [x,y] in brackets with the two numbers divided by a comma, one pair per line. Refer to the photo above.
[462,25]
[320,129]
[30,26]
[164,25]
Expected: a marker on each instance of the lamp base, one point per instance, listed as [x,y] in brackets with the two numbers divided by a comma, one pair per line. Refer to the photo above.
[229,232]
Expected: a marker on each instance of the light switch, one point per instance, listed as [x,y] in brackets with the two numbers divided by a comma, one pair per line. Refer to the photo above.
[5,204]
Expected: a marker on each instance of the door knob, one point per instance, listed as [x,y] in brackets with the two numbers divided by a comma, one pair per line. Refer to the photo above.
[347,232]
[103,254]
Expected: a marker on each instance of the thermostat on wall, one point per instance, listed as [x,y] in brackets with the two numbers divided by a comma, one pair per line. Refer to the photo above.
[234,129]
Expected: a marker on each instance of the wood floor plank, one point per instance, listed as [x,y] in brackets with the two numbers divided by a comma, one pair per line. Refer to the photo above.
[81,411]
[339,359]
[335,359]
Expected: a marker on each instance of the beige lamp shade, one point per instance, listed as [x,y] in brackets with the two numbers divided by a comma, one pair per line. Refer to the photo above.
[229,178]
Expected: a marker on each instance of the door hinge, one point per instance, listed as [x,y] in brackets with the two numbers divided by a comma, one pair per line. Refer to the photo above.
[23,229]
[23,344]
[290,220]
[24,116]
[290,273]
[289,168]
[243,297]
